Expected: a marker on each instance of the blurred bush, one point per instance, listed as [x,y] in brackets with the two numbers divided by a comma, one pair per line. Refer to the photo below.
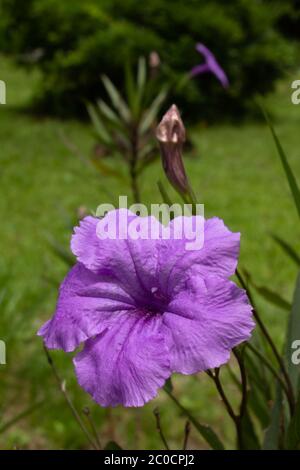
[74,42]
[289,21]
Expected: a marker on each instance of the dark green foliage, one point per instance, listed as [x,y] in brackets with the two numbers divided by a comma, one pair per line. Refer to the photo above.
[74,42]
[289,22]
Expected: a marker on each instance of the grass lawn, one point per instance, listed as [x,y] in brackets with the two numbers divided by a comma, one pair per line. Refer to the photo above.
[237,175]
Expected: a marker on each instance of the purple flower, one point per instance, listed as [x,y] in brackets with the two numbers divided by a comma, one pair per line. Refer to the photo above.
[211,65]
[145,308]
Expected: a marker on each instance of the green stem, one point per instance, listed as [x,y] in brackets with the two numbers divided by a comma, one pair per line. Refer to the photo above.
[90,420]
[241,364]
[235,418]
[133,167]
[20,416]
[269,366]
[62,387]
[159,428]
[216,378]
[187,430]
[291,398]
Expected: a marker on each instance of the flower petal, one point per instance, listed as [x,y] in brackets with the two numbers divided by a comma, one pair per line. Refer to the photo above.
[218,256]
[87,305]
[205,322]
[131,261]
[126,364]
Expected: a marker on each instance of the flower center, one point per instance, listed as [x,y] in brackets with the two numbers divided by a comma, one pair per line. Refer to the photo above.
[155,302]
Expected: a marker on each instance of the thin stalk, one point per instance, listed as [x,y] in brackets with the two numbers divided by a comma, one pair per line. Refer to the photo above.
[182,408]
[233,376]
[159,428]
[89,417]
[187,430]
[291,397]
[236,418]
[133,166]
[215,377]
[269,366]
[202,429]
[62,386]
[243,405]
[20,416]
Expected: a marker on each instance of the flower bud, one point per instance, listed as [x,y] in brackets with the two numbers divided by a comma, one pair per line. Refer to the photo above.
[154,60]
[171,135]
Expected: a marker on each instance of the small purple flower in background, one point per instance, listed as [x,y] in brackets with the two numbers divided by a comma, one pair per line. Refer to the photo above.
[210,66]
[147,308]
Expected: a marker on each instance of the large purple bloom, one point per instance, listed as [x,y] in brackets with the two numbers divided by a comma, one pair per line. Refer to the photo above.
[210,66]
[147,308]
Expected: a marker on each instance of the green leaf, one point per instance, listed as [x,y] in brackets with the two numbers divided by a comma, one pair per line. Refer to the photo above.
[118,130]
[28,411]
[250,439]
[288,249]
[273,297]
[259,406]
[272,433]
[286,166]
[151,114]
[112,445]
[141,75]
[258,375]
[116,99]
[293,333]
[107,170]
[132,93]
[269,295]
[166,198]
[147,157]
[108,113]
[168,385]
[98,124]
[60,251]
[293,432]
[205,431]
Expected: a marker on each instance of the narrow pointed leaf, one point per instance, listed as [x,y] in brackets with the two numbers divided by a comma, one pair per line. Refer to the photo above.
[116,99]
[166,198]
[60,251]
[141,75]
[288,249]
[205,431]
[272,433]
[250,439]
[131,92]
[112,445]
[108,112]
[293,333]
[286,166]
[28,411]
[259,406]
[293,432]
[98,125]
[106,169]
[273,297]
[169,385]
[269,295]
[151,113]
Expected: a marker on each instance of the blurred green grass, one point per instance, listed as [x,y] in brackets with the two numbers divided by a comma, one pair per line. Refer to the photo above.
[236,174]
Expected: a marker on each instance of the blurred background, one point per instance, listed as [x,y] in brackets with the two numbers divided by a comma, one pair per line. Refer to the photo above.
[65,148]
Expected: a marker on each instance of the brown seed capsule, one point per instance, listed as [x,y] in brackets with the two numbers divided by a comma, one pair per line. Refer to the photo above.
[171,135]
